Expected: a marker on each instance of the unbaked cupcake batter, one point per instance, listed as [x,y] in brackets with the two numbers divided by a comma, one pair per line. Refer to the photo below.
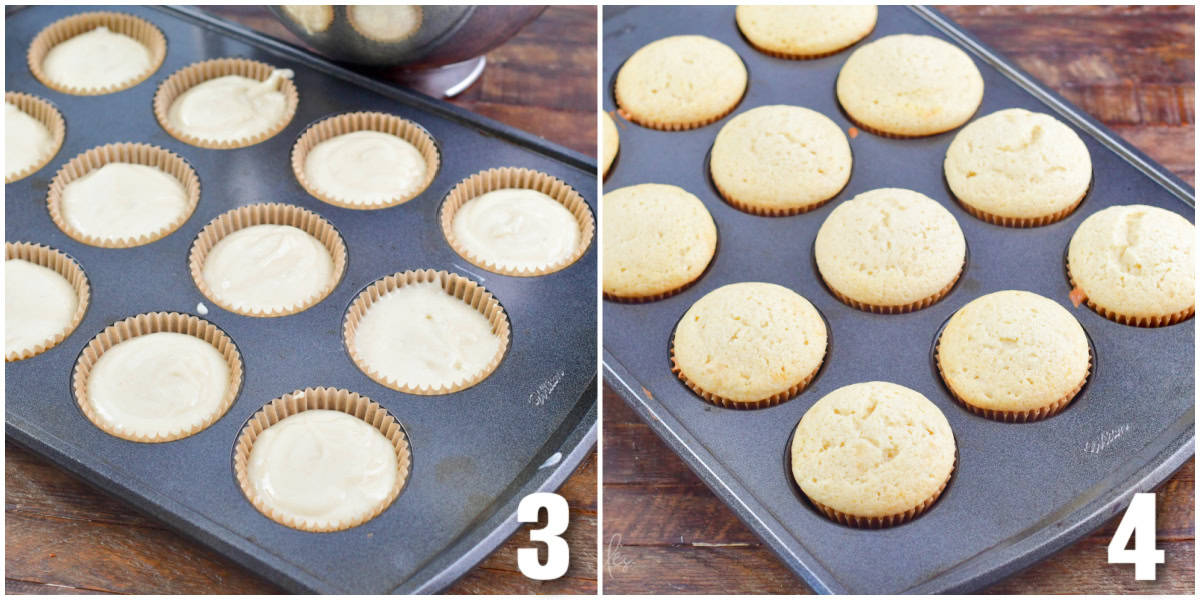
[123,200]
[38,303]
[517,229]
[385,23]
[158,384]
[322,467]
[418,335]
[96,59]
[27,140]
[266,268]
[365,167]
[230,108]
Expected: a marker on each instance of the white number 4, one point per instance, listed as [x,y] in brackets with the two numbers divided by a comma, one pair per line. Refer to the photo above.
[1139,520]
[557,551]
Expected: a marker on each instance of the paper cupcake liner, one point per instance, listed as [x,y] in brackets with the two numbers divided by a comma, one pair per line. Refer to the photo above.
[766,211]
[365,121]
[774,399]
[145,324]
[267,214]
[63,265]
[64,29]
[1151,321]
[139,154]
[654,297]
[903,308]
[885,521]
[507,178]
[899,136]
[48,115]
[322,398]
[456,285]
[1012,416]
[1021,222]
[674,126]
[188,77]
[350,18]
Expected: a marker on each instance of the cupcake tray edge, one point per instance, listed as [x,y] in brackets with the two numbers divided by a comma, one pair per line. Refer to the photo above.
[531,422]
[1131,427]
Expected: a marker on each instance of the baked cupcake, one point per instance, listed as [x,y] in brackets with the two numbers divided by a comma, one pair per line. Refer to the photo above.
[1135,265]
[780,160]
[804,31]
[909,86]
[1018,168]
[33,133]
[96,53]
[45,297]
[890,250]
[157,377]
[1013,356]
[658,239]
[611,142]
[322,460]
[680,82]
[226,103]
[873,454]
[749,345]
[426,332]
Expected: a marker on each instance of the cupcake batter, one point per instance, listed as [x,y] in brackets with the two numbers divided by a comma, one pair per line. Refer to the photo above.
[38,303]
[230,108]
[366,167]
[96,59]
[322,467]
[418,335]
[27,140]
[158,384]
[517,229]
[385,23]
[123,201]
[268,268]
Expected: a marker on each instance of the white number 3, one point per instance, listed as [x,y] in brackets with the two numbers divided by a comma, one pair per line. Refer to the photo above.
[557,552]
[1139,520]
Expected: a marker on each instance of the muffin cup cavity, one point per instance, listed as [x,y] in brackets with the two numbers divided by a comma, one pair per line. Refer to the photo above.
[63,265]
[334,126]
[457,286]
[47,115]
[145,324]
[195,74]
[138,154]
[64,29]
[267,214]
[321,398]
[508,178]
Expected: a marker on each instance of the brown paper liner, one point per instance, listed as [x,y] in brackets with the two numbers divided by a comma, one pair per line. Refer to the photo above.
[885,521]
[1021,222]
[267,214]
[507,178]
[1012,416]
[1151,321]
[188,77]
[895,310]
[321,398]
[675,126]
[455,285]
[139,154]
[765,211]
[63,265]
[365,121]
[49,116]
[350,18]
[899,136]
[144,324]
[64,29]
[658,296]
[778,398]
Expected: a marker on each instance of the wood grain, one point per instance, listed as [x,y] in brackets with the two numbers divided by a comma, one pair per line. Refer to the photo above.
[62,536]
[1130,67]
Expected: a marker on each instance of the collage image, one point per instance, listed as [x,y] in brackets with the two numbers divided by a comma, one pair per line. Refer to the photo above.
[600,299]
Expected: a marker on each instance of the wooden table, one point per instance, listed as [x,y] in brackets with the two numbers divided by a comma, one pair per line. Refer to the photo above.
[1133,69]
[63,536]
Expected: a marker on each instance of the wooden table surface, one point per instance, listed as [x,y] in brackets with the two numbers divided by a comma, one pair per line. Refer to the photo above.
[1133,69]
[62,536]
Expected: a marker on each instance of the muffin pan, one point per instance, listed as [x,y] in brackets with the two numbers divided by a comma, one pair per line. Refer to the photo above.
[1020,491]
[475,453]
